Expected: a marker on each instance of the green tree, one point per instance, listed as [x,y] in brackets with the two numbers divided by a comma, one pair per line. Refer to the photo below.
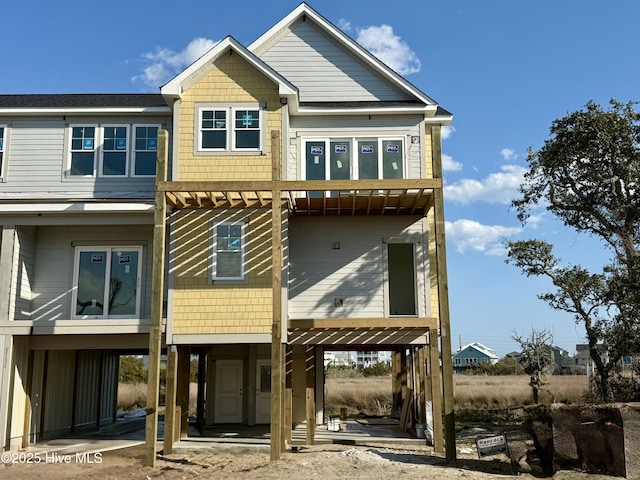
[379,369]
[536,358]
[132,370]
[588,176]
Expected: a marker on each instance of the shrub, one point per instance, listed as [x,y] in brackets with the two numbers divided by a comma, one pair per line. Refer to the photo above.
[342,371]
[132,370]
[377,370]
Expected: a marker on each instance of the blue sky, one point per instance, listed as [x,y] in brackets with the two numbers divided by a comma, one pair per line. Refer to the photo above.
[505,68]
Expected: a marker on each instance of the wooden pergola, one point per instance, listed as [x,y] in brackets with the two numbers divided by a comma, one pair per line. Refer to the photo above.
[302,198]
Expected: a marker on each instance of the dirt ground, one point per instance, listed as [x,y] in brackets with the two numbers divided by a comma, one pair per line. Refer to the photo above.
[323,461]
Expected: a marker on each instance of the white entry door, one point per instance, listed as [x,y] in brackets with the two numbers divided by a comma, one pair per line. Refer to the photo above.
[263,391]
[228,396]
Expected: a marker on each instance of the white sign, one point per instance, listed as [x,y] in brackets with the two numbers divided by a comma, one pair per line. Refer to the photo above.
[492,445]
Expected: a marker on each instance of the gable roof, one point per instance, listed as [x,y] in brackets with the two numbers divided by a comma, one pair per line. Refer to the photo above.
[480,348]
[304,13]
[175,87]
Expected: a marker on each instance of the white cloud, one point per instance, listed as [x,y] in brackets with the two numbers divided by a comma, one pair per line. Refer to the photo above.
[501,187]
[446,131]
[449,164]
[508,154]
[471,235]
[344,25]
[163,63]
[390,48]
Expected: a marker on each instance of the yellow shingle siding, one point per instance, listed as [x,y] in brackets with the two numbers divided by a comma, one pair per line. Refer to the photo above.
[200,306]
[203,307]
[230,81]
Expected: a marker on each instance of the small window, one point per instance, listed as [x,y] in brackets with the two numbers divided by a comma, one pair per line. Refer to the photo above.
[214,129]
[247,129]
[228,251]
[228,129]
[114,151]
[145,151]
[107,282]
[83,151]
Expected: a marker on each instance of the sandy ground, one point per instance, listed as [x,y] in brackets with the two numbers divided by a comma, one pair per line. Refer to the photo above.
[324,461]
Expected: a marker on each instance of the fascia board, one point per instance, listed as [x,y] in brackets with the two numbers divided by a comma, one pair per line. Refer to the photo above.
[174,87]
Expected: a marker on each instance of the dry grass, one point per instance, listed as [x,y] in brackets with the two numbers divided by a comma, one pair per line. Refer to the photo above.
[489,392]
[132,396]
[372,395]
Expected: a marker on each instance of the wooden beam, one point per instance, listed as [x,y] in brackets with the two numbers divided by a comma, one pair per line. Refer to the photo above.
[310,400]
[436,393]
[299,185]
[184,375]
[171,397]
[230,199]
[443,298]
[213,199]
[396,384]
[277,348]
[416,200]
[157,280]
[393,323]
[196,198]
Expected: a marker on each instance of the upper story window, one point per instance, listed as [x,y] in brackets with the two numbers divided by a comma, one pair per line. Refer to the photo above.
[230,128]
[107,282]
[3,129]
[114,151]
[229,247]
[108,150]
[83,151]
[354,158]
[145,150]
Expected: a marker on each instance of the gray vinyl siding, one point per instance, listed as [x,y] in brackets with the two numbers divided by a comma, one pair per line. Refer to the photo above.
[324,71]
[96,385]
[405,126]
[58,391]
[318,274]
[36,160]
[23,268]
[55,264]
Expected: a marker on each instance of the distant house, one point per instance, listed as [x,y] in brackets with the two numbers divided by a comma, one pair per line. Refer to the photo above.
[472,355]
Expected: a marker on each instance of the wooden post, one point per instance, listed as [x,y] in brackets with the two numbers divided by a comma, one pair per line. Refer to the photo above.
[310,393]
[184,381]
[157,294]
[288,396]
[403,373]
[396,384]
[422,382]
[277,351]
[170,399]
[443,298]
[436,392]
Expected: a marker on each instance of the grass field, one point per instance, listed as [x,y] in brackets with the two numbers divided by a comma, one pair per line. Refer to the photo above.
[372,395]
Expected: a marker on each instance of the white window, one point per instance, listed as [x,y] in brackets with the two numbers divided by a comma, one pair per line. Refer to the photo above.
[118,155]
[3,130]
[84,146]
[145,150]
[114,159]
[107,282]
[353,158]
[238,128]
[229,242]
